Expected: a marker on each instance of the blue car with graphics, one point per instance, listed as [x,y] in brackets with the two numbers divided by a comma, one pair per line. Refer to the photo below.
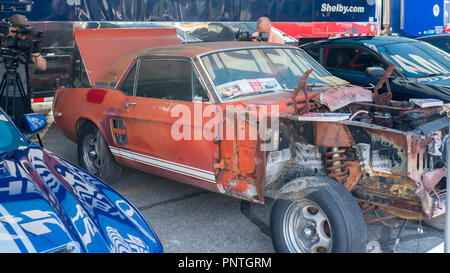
[423,71]
[50,205]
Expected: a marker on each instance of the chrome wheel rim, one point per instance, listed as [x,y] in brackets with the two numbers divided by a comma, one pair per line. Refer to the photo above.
[307,228]
[91,153]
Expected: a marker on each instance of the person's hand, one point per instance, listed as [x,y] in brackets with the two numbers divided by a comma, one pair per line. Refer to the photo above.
[255,36]
[39,60]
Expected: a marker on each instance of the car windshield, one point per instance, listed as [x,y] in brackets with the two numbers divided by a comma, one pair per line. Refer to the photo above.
[443,44]
[10,139]
[246,72]
[417,59]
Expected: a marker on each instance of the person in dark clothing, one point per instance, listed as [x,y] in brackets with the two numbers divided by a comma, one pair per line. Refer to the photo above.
[12,100]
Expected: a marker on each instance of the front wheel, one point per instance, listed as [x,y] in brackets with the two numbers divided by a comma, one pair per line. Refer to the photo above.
[94,155]
[314,215]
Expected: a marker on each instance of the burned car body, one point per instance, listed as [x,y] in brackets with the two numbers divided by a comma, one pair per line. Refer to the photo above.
[255,121]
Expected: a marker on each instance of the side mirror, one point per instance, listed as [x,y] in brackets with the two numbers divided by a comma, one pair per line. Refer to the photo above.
[377,72]
[32,124]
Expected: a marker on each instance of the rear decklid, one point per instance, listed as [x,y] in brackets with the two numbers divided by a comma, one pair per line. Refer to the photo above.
[100,48]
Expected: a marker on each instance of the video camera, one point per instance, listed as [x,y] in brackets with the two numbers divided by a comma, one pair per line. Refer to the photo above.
[244,35]
[14,47]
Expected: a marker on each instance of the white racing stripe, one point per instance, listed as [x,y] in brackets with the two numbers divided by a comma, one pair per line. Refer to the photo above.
[124,152]
[20,233]
[7,244]
[165,164]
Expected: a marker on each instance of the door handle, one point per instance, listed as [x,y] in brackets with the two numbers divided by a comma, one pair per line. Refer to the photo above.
[128,103]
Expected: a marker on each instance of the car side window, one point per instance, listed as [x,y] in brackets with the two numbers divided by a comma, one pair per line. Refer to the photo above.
[349,58]
[165,79]
[128,84]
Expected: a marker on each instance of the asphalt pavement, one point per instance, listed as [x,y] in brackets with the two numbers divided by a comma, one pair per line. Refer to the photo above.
[191,220]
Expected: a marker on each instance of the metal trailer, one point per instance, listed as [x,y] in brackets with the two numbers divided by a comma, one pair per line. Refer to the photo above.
[401,17]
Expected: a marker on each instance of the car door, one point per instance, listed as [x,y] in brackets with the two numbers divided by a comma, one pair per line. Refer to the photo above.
[349,63]
[162,125]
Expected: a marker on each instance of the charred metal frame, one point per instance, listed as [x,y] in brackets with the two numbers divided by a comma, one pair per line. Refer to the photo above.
[402,187]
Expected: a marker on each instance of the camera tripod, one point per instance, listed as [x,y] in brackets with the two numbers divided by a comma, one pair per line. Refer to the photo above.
[11,80]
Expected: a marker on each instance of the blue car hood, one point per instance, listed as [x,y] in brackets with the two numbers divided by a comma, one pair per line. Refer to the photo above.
[443,81]
[50,205]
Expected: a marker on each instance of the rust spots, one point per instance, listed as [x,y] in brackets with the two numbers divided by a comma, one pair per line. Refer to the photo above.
[240,189]
[354,176]
[393,186]
[431,179]
[331,134]
[385,98]
[302,86]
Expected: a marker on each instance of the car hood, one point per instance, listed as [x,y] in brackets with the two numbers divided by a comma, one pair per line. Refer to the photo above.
[443,81]
[437,87]
[101,49]
[50,205]
[334,98]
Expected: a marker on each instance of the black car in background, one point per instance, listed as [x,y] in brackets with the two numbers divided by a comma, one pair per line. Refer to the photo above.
[441,41]
[422,71]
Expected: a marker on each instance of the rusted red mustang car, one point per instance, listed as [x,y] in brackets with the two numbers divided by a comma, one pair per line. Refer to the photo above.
[252,121]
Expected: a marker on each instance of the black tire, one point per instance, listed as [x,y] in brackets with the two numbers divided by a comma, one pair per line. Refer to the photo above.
[101,162]
[305,201]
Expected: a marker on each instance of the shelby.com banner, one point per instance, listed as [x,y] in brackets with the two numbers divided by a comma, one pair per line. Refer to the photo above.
[344,10]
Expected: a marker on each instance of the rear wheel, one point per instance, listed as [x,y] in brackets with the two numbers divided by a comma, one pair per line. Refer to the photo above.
[317,214]
[95,156]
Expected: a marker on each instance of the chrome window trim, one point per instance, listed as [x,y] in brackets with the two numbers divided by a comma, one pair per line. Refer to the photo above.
[136,76]
[124,75]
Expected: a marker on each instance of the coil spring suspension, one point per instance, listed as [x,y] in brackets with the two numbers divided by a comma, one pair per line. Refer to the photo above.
[336,164]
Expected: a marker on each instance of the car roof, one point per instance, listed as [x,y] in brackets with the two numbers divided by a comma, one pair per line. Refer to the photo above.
[362,40]
[195,49]
[191,50]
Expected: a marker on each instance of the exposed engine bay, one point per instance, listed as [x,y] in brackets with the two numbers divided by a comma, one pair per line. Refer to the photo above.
[392,155]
